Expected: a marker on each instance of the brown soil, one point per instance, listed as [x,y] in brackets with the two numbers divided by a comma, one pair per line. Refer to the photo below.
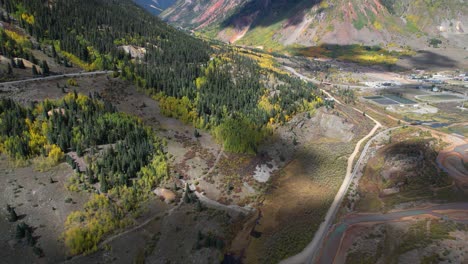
[40,204]
[300,193]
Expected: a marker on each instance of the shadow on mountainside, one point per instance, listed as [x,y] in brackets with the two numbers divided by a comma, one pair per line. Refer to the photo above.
[362,55]
[377,56]
[428,60]
[269,12]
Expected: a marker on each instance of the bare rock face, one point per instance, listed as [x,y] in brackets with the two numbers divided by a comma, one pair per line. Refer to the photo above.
[167,195]
[134,51]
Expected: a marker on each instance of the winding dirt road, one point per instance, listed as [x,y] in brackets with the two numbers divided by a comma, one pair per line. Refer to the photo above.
[53,77]
[309,253]
[333,251]
[451,160]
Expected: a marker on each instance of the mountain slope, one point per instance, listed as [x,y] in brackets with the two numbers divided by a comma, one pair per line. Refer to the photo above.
[235,94]
[212,87]
[271,23]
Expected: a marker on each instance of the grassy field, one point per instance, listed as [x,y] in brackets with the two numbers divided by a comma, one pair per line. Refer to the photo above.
[439,97]
[461,130]
[393,240]
[298,200]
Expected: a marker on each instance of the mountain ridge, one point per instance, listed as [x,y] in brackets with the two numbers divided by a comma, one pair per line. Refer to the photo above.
[155,7]
[276,23]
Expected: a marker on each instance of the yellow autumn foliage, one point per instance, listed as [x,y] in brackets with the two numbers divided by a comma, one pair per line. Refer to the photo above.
[84,229]
[182,109]
[377,25]
[55,153]
[20,39]
[265,104]
[28,18]
[36,138]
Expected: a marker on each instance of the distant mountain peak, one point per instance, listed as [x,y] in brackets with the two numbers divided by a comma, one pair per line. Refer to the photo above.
[311,22]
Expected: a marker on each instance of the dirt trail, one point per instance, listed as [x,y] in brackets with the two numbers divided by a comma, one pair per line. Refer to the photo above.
[211,203]
[202,198]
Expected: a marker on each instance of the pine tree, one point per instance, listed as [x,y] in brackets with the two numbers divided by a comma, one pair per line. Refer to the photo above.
[10,69]
[79,150]
[104,186]
[187,194]
[12,217]
[54,52]
[219,243]
[45,68]
[21,64]
[34,70]
[21,230]
[29,237]
[199,206]
[196,134]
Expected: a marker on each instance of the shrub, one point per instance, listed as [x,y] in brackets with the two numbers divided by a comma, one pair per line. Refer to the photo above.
[21,230]
[38,251]
[56,154]
[12,217]
[434,42]
[72,82]
[84,229]
[81,240]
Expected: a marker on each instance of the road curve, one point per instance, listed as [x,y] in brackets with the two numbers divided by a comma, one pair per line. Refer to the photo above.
[333,251]
[53,77]
[309,253]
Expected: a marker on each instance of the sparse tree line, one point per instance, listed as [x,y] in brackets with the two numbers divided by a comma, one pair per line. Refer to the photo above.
[24,231]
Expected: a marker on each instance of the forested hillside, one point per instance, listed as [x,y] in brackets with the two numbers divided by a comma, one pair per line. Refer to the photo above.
[235,94]
[201,83]
[131,164]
